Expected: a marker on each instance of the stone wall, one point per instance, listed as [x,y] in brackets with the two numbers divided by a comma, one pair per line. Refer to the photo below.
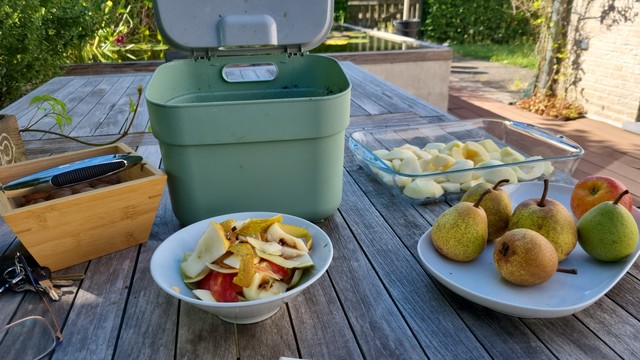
[605,55]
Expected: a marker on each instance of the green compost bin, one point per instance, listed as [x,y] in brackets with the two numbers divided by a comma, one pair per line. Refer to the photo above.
[274,144]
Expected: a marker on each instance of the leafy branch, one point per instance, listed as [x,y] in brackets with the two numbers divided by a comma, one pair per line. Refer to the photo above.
[51,107]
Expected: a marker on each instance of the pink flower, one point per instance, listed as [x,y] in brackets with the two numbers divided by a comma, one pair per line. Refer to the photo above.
[120,40]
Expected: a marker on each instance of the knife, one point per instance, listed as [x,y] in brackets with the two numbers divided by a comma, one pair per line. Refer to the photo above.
[71,174]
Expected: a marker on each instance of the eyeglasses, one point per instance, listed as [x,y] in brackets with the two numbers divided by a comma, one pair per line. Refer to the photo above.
[32,337]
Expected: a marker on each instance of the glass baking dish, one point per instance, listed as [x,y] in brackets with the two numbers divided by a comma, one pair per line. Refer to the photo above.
[430,162]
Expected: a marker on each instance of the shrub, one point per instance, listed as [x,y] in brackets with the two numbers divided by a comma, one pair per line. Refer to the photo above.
[125,31]
[463,22]
[35,38]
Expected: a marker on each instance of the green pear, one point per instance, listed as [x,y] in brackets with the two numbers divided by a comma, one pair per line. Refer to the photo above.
[550,219]
[608,231]
[460,233]
[497,205]
[524,257]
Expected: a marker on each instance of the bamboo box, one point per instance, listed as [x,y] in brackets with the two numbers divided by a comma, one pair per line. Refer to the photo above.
[70,230]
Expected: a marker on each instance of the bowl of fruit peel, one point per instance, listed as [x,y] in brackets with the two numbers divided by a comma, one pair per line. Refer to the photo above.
[428,162]
[242,267]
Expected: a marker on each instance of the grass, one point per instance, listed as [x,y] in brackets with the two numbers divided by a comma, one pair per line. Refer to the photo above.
[522,55]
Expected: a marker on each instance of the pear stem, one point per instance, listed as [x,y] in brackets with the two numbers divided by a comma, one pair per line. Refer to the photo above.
[568,271]
[617,200]
[477,203]
[499,183]
[543,198]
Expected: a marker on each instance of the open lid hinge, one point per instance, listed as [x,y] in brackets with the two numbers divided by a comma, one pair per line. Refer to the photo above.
[201,54]
[294,50]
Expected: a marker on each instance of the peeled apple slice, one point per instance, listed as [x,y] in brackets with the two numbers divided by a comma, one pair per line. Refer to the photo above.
[510,156]
[460,177]
[402,181]
[262,286]
[410,166]
[489,145]
[423,188]
[398,153]
[452,144]
[474,152]
[528,172]
[434,146]
[211,246]
[492,176]
[441,162]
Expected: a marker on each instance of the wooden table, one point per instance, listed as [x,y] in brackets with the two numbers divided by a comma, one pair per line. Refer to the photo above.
[376,300]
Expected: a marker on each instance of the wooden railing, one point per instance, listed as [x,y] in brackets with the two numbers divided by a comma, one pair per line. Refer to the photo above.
[380,14]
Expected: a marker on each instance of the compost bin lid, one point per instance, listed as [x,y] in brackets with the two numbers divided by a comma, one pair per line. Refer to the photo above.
[244,27]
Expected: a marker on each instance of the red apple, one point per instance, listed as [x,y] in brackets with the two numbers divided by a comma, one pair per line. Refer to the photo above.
[595,189]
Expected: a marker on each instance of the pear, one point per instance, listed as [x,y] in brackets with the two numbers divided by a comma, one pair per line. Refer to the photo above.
[497,205]
[608,231]
[460,233]
[524,257]
[549,218]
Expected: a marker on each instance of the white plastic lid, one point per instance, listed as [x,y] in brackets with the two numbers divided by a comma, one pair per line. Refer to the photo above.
[245,27]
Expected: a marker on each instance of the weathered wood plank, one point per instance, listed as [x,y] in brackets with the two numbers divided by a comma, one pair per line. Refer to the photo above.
[363,294]
[412,290]
[50,86]
[92,120]
[315,326]
[144,333]
[569,339]
[613,325]
[80,102]
[114,121]
[93,324]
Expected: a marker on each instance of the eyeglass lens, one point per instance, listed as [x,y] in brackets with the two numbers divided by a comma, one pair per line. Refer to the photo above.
[28,338]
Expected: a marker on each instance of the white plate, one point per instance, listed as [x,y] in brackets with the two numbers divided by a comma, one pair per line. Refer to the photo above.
[562,295]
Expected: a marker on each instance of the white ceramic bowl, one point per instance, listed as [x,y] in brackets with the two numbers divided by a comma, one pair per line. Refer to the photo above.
[165,269]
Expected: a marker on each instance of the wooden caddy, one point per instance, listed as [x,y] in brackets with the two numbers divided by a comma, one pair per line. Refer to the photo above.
[67,231]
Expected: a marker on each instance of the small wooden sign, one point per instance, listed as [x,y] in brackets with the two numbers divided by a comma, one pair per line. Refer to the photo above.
[11,146]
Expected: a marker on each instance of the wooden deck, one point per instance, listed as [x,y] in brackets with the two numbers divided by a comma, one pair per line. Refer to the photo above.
[609,150]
